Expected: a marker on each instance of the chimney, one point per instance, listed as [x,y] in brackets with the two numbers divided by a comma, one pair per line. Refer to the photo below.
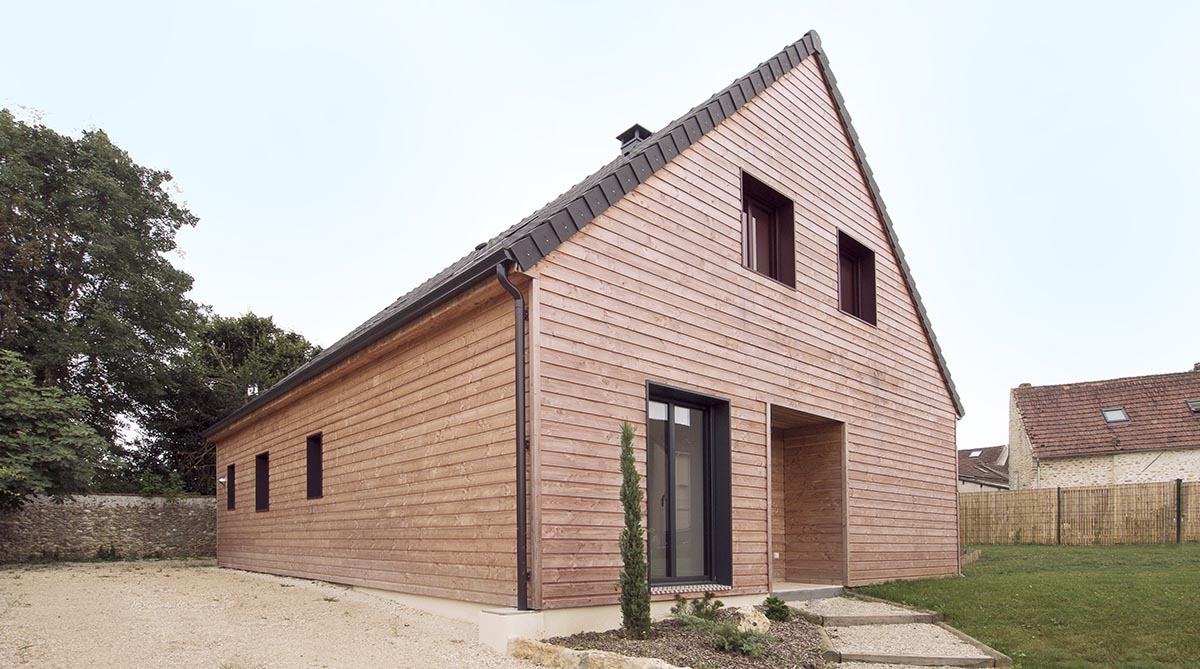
[632,137]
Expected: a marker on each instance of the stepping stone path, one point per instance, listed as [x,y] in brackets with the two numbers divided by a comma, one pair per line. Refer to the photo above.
[867,633]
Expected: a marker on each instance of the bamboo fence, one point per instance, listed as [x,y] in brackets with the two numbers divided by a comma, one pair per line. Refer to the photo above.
[1138,513]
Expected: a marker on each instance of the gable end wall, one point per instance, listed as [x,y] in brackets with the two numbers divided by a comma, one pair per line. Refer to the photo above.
[654,289]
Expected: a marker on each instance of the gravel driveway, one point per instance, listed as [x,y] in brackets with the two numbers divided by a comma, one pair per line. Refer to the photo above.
[178,613]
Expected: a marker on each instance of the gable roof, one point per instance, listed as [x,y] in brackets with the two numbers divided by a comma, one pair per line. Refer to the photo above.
[1065,420]
[541,232]
[989,465]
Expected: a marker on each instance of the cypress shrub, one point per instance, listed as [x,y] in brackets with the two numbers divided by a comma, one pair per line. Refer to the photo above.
[635,584]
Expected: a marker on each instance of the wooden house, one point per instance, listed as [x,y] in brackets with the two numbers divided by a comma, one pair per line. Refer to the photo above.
[732,286]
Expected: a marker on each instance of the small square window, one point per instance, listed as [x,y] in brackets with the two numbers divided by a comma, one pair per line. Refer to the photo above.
[768,232]
[1117,415]
[1194,407]
[315,466]
[262,481]
[856,278]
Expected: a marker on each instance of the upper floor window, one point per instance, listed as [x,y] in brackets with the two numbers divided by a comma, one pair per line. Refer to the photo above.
[1117,415]
[768,232]
[856,278]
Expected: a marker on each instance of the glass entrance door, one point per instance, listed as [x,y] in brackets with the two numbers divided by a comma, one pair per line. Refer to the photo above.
[677,505]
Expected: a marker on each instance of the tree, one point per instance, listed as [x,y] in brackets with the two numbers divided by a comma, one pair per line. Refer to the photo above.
[88,296]
[45,446]
[229,361]
[635,585]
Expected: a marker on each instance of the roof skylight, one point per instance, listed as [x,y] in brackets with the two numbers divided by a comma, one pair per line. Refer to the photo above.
[1117,415]
[975,454]
[1194,407]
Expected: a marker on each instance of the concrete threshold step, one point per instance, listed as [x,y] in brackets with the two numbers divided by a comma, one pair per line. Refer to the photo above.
[800,593]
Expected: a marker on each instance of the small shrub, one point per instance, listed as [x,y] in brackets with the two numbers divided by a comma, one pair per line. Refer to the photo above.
[728,639]
[777,610]
[107,554]
[707,608]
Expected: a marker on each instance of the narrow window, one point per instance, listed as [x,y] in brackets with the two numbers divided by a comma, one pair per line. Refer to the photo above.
[856,278]
[1194,407]
[262,481]
[314,466]
[688,488]
[1117,415]
[230,482]
[768,230]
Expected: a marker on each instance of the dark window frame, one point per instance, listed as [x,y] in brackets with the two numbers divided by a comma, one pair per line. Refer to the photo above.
[718,499]
[779,229]
[856,279]
[230,483]
[315,452]
[262,481]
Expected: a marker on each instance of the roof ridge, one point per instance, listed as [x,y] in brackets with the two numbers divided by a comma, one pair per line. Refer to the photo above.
[1097,382]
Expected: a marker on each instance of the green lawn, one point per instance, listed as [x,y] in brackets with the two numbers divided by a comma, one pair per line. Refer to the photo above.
[1063,607]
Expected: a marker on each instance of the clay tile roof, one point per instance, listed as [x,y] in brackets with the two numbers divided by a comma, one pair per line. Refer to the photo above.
[989,464]
[1065,420]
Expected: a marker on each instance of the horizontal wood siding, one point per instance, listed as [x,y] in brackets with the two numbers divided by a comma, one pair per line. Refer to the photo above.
[655,289]
[418,439]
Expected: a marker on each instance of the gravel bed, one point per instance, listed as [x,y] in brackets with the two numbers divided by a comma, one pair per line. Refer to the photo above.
[847,606]
[175,613]
[793,645]
[906,639]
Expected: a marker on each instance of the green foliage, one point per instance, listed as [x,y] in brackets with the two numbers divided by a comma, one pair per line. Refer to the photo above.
[702,615]
[706,608]
[1063,607]
[227,361]
[88,296]
[777,610]
[634,580]
[729,639]
[45,446]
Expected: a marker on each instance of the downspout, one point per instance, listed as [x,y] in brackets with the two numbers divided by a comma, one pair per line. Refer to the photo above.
[522,443]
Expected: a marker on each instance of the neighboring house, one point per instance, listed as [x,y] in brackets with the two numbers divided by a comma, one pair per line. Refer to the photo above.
[983,469]
[731,285]
[1133,430]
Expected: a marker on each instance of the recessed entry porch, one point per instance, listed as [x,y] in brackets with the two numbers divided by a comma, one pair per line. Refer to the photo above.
[808,504]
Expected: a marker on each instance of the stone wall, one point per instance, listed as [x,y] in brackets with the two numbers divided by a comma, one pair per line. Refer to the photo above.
[1120,468]
[109,526]
[1021,469]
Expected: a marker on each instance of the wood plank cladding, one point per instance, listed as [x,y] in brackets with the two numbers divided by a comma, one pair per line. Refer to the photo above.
[807,465]
[655,289]
[417,450]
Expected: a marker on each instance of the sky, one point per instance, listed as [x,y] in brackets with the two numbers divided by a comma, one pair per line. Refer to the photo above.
[1039,160]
